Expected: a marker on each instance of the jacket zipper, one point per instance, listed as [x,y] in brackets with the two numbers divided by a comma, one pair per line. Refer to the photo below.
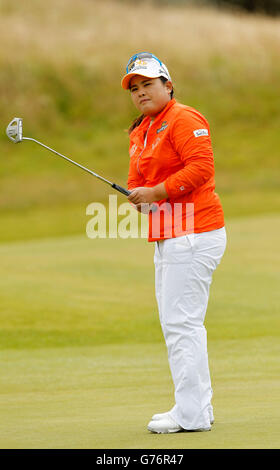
[145,145]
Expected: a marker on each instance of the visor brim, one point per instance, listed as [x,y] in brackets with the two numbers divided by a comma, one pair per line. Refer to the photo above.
[126,79]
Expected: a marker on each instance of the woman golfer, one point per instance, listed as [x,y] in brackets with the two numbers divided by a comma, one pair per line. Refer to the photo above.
[171,173]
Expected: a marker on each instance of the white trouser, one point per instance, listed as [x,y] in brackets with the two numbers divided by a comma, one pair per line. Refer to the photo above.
[183,275]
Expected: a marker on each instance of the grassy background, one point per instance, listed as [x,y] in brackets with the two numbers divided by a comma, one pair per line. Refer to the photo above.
[78,316]
[65,83]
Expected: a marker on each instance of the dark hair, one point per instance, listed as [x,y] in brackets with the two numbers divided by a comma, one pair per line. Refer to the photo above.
[139,119]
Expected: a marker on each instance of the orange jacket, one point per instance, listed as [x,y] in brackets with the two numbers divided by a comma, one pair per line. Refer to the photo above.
[176,149]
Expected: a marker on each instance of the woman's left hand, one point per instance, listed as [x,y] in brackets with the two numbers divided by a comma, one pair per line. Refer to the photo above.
[142,195]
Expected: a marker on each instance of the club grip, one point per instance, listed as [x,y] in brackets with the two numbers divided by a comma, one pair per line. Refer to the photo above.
[121,189]
[153,207]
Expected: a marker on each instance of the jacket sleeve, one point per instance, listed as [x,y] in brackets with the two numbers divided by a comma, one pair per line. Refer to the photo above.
[190,137]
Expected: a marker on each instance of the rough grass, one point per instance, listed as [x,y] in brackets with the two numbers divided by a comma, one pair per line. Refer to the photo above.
[65,83]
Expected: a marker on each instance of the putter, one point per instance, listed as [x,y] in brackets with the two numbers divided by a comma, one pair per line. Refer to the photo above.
[14,132]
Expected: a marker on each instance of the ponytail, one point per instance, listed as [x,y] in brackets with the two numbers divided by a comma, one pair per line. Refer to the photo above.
[136,123]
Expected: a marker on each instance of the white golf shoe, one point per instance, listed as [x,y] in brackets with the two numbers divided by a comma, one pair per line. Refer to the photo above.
[159,416]
[164,425]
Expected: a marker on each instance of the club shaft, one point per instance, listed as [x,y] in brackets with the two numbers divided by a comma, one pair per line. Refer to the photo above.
[69,160]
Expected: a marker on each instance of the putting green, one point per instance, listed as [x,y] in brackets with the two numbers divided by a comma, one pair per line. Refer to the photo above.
[83,363]
[103,397]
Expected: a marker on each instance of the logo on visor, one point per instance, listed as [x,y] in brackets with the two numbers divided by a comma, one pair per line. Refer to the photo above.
[139,64]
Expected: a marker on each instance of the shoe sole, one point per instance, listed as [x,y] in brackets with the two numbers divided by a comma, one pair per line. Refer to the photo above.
[168,431]
[172,431]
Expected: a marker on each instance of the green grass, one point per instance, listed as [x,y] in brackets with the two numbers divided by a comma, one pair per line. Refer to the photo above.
[82,356]
[79,290]
[103,397]
[55,220]
[83,361]
[71,99]
[246,148]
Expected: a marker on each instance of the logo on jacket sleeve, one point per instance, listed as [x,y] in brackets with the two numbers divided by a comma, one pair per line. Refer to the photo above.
[200,132]
[164,125]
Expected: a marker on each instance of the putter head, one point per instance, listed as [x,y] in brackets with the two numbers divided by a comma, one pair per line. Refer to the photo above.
[14,130]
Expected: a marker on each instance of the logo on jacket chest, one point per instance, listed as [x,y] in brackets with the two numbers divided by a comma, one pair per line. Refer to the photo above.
[164,125]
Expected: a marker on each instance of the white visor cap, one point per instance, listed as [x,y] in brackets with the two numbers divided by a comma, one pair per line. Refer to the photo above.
[147,67]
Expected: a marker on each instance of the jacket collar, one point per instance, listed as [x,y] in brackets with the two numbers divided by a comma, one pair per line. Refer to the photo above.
[139,131]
